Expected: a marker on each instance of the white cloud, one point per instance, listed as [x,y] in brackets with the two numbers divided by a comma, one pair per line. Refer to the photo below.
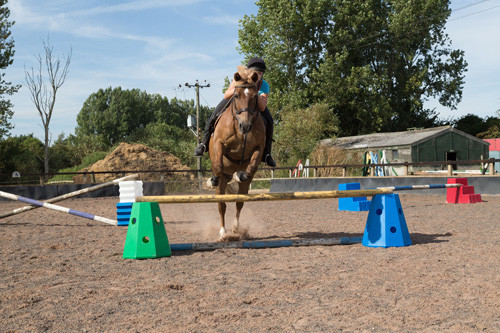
[64,22]
[133,6]
[222,20]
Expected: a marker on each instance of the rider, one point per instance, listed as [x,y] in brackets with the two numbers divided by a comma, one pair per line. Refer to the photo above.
[259,66]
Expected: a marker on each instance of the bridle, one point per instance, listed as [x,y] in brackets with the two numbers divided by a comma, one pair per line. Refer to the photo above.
[240,111]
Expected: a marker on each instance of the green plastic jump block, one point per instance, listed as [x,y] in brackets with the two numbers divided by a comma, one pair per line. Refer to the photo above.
[146,235]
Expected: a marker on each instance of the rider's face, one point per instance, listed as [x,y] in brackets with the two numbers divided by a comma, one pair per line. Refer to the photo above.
[260,75]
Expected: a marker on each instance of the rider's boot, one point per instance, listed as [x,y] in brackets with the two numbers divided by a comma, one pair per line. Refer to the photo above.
[268,158]
[268,121]
[203,146]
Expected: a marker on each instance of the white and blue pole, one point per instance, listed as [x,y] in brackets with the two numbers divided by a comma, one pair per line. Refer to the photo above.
[420,187]
[57,207]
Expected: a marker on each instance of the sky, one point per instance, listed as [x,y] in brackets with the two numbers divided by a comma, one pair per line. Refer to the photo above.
[157,45]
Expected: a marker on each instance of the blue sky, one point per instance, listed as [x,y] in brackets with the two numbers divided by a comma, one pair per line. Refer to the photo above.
[155,45]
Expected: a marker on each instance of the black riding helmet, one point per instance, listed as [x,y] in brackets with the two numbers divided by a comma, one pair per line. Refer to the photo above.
[257,64]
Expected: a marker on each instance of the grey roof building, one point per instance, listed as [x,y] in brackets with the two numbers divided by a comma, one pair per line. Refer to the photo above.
[421,145]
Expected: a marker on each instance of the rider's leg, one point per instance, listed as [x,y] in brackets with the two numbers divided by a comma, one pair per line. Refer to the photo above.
[268,121]
[209,129]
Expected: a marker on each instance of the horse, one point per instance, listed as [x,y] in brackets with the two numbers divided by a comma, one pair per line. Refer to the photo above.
[237,144]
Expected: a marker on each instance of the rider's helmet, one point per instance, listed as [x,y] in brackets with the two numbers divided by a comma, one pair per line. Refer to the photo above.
[257,64]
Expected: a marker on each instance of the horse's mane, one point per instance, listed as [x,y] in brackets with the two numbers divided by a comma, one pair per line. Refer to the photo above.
[245,75]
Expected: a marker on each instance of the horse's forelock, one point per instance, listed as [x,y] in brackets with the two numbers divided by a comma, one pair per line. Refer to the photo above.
[245,75]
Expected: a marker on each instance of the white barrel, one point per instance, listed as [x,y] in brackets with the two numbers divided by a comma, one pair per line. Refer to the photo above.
[129,190]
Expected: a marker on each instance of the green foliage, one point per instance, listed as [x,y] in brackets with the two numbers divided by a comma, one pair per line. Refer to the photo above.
[21,153]
[86,161]
[373,62]
[6,59]
[300,131]
[471,124]
[115,115]
[487,128]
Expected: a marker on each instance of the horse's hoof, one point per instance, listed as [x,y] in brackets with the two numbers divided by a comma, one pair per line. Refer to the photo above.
[213,182]
[240,176]
[222,232]
[236,229]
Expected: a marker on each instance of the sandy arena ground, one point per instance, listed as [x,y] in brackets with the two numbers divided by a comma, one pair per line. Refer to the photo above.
[62,273]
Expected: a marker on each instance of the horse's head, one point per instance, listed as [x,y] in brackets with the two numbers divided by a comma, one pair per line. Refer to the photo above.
[245,108]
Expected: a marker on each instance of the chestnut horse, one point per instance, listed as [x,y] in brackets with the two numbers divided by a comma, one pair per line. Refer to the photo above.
[237,144]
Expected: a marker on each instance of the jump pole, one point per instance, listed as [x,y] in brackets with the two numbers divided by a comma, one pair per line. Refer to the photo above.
[262,196]
[285,196]
[265,244]
[56,207]
[70,195]
[421,187]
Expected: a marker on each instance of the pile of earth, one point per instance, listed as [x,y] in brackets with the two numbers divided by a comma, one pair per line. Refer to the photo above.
[138,157]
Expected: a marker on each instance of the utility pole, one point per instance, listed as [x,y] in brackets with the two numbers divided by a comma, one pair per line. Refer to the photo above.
[197,85]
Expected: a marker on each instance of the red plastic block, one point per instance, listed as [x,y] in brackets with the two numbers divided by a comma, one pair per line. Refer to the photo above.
[453,193]
[462,194]
[465,190]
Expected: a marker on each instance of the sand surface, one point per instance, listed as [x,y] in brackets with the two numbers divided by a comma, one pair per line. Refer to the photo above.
[62,273]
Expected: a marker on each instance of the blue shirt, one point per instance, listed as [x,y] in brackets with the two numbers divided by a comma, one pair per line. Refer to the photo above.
[264,88]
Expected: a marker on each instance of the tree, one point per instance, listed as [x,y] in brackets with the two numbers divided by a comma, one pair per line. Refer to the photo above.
[6,59]
[120,115]
[471,124]
[373,62]
[19,153]
[300,131]
[44,93]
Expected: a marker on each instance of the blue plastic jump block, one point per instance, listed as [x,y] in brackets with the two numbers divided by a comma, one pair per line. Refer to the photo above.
[386,223]
[356,204]
[123,211]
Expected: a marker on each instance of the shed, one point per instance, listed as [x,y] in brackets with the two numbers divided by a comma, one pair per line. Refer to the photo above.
[443,143]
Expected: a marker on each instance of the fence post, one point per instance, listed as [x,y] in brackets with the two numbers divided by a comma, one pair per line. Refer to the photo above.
[405,172]
[492,168]
[315,172]
[41,180]
[162,177]
[450,170]
[272,173]
[290,173]
[344,172]
[84,178]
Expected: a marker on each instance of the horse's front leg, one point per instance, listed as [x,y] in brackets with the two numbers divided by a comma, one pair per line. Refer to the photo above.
[216,154]
[242,189]
[221,189]
[244,176]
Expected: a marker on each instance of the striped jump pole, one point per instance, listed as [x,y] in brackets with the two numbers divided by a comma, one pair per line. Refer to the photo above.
[70,195]
[56,207]
[262,196]
[421,187]
[265,244]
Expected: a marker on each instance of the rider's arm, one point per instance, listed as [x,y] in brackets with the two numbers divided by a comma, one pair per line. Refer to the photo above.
[262,103]
[230,91]
[263,94]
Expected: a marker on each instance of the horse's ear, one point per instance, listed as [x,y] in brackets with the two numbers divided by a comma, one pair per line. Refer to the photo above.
[255,77]
[237,76]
